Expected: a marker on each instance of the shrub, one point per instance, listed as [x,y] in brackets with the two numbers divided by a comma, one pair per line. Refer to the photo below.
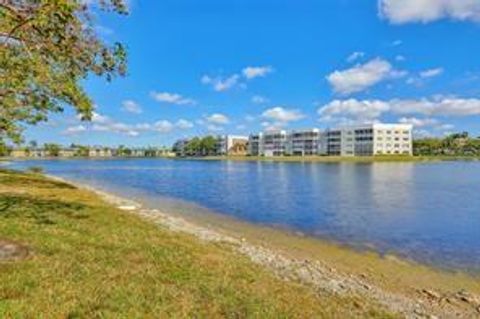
[35,169]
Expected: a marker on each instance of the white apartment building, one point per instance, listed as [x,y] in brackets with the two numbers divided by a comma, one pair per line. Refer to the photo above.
[358,140]
[255,144]
[99,151]
[304,142]
[369,140]
[274,143]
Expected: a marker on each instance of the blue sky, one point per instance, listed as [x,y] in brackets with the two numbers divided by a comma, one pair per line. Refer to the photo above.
[232,66]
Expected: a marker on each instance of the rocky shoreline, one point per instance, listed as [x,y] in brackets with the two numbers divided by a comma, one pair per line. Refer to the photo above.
[322,276]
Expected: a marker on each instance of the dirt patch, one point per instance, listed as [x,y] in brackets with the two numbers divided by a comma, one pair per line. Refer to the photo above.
[12,251]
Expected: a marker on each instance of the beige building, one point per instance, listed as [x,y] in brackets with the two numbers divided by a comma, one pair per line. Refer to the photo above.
[19,153]
[67,152]
[234,145]
[369,140]
[99,152]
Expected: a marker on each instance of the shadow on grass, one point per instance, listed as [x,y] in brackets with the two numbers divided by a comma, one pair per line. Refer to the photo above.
[43,211]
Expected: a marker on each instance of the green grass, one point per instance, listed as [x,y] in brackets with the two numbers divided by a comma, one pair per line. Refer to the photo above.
[90,260]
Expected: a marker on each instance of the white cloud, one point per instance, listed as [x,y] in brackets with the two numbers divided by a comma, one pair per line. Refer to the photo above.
[116,127]
[249,118]
[218,118]
[362,76]
[258,99]
[252,72]
[283,115]
[163,126]
[183,124]
[273,126]
[358,111]
[214,128]
[73,130]
[397,43]
[131,107]
[172,98]
[426,127]
[225,83]
[400,58]
[220,84]
[419,122]
[372,110]
[102,123]
[438,106]
[355,56]
[241,127]
[98,118]
[406,11]
[431,73]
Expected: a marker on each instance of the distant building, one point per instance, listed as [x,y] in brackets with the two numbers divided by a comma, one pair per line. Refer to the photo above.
[138,152]
[369,140]
[274,143]
[179,148]
[37,152]
[231,145]
[304,142]
[67,152]
[255,144]
[359,140]
[19,153]
[99,151]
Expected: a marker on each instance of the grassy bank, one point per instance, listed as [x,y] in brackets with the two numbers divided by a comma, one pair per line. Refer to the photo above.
[336,159]
[80,257]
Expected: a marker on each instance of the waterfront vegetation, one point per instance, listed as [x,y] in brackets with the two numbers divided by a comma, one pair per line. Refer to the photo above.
[200,146]
[80,257]
[458,144]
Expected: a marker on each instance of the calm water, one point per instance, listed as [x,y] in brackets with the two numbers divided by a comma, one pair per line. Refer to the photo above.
[429,212]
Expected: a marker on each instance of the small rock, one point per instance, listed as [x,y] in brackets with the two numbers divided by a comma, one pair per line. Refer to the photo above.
[127,207]
[418,312]
[431,294]
[357,304]
[467,297]
[478,309]
[12,251]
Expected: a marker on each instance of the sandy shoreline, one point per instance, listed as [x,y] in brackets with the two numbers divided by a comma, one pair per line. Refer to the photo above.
[327,267]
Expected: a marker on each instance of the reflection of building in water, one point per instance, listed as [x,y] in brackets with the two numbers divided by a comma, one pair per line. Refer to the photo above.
[392,186]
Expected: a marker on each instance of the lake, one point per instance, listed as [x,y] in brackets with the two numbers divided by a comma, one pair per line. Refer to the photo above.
[428,212]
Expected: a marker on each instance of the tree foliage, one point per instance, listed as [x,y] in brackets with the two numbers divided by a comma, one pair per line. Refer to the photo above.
[4,150]
[52,149]
[47,47]
[458,144]
[201,146]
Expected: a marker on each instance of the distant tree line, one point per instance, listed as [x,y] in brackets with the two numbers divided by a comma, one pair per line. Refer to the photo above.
[201,146]
[458,144]
[55,150]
